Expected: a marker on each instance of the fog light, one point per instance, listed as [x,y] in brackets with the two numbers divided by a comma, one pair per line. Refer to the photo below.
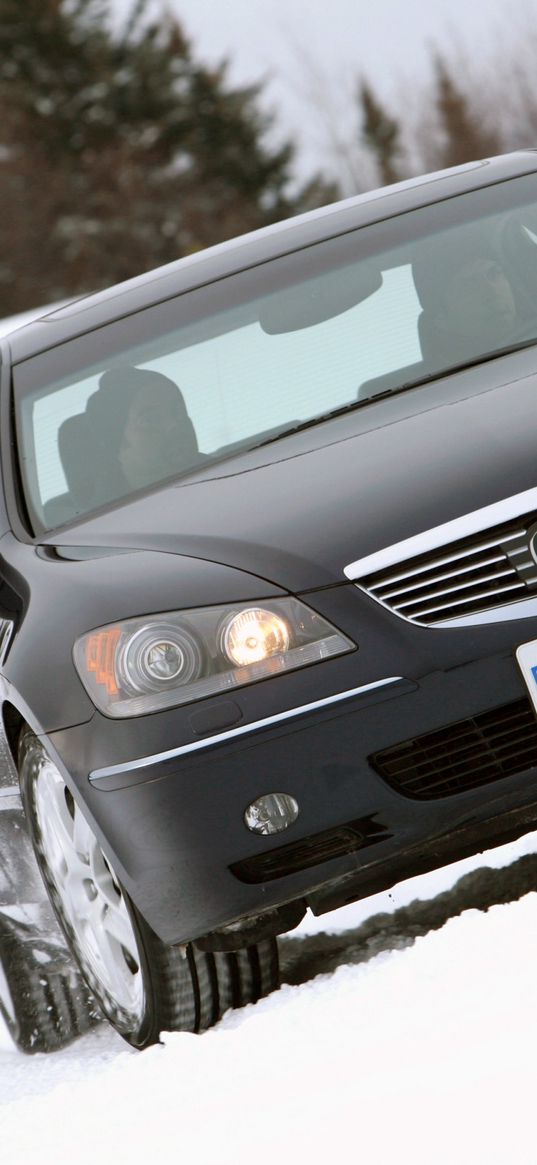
[271,813]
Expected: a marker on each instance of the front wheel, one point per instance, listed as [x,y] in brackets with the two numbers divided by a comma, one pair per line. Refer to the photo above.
[142,985]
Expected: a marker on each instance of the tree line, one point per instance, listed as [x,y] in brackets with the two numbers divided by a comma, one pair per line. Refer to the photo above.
[456,127]
[120,150]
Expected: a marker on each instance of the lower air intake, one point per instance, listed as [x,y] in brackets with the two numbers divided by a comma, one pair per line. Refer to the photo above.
[462,756]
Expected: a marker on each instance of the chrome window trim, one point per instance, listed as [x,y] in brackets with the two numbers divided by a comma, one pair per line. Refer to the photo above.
[438,536]
[156,758]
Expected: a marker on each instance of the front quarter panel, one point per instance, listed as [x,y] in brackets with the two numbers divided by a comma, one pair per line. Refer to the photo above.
[61,599]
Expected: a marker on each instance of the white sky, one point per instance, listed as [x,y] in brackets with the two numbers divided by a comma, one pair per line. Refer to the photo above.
[300,45]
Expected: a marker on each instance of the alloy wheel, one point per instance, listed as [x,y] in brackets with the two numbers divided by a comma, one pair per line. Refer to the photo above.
[90,899]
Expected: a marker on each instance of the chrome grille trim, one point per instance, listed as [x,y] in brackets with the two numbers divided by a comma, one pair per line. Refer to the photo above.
[457,588]
[478,521]
[476,577]
[443,560]
[460,602]
[441,577]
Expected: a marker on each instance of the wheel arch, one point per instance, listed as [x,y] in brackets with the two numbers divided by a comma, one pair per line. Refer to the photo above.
[12,722]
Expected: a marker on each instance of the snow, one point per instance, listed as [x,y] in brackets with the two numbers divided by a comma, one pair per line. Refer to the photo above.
[420,1055]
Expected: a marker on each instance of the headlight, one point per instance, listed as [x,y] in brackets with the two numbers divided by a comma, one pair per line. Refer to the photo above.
[144,665]
[253,635]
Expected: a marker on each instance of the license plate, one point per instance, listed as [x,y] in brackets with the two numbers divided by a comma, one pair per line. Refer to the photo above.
[527,661]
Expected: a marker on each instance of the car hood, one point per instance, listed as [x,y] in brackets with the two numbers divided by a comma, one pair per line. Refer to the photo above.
[297,511]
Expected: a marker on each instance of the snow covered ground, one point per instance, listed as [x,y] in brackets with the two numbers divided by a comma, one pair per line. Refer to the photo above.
[420,1055]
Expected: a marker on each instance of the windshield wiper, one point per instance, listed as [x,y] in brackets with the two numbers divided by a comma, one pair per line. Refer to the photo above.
[441,374]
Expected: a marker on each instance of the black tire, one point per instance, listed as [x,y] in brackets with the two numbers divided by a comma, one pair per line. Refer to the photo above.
[165,988]
[43,1000]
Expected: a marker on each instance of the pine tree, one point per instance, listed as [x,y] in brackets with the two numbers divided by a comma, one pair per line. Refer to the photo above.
[464,135]
[380,134]
[120,151]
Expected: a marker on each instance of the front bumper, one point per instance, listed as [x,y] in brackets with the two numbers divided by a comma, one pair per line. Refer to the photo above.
[174,828]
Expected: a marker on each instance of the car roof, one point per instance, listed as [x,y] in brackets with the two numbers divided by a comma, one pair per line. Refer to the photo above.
[92,311]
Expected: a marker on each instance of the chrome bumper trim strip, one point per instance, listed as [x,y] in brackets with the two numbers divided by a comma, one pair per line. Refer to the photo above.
[196,745]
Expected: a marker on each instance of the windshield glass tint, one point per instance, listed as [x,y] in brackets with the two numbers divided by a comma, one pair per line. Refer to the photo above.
[265,351]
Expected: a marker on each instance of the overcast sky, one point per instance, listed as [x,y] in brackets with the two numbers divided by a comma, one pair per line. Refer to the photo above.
[304,45]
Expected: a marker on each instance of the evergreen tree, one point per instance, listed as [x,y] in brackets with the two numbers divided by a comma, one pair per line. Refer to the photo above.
[380,134]
[464,134]
[119,151]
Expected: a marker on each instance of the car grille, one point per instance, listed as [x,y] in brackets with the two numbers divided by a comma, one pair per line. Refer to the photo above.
[465,577]
[464,755]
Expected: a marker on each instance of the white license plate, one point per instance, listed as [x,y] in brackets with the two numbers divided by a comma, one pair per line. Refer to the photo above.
[527,661]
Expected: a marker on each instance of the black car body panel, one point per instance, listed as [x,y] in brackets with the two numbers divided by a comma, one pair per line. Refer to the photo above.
[166,790]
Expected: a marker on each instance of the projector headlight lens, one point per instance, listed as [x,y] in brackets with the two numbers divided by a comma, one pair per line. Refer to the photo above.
[159,655]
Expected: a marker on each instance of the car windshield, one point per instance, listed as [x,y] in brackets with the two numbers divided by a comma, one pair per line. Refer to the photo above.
[249,358]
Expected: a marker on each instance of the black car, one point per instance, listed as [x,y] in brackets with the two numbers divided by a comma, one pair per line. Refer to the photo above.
[269,581]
